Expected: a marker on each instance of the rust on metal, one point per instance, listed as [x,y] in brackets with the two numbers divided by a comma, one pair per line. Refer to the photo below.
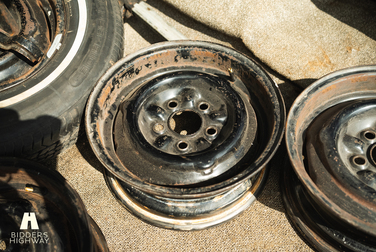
[327,124]
[27,29]
[133,144]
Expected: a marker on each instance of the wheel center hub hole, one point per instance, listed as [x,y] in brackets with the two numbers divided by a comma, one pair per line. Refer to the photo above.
[185,122]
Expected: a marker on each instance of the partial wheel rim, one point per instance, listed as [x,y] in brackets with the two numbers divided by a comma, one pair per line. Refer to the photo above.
[57,220]
[30,33]
[330,138]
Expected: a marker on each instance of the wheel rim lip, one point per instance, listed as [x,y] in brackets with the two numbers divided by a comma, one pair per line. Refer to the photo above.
[216,216]
[313,228]
[262,160]
[294,133]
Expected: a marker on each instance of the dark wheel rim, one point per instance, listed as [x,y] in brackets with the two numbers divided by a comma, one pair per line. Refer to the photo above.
[37,33]
[62,221]
[316,227]
[184,119]
[188,122]
[332,125]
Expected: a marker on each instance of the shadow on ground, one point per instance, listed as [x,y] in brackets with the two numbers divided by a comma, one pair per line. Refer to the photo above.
[20,190]
[37,195]
[87,152]
[360,15]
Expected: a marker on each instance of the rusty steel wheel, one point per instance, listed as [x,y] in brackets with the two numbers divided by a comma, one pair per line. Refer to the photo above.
[331,139]
[185,130]
[60,221]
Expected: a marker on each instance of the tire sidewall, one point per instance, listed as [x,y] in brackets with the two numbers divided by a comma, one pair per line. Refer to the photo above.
[62,85]
[59,104]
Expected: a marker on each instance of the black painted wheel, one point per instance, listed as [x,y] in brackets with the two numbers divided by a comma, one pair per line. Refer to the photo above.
[331,140]
[70,44]
[60,221]
[185,114]
[185,120]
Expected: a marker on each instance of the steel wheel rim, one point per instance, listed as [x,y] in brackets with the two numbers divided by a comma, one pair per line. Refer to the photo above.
[348,85]
[184,145]
[103,89]
[31,187]
[23,69]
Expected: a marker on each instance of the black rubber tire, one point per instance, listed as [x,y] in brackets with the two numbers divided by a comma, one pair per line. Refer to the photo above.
[40,124]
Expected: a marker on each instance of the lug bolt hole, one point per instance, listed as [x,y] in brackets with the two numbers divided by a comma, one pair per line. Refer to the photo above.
[203,106]
[172,104]
[369,135]
[183,146]
[158,128]
[359,160]
[211,131]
